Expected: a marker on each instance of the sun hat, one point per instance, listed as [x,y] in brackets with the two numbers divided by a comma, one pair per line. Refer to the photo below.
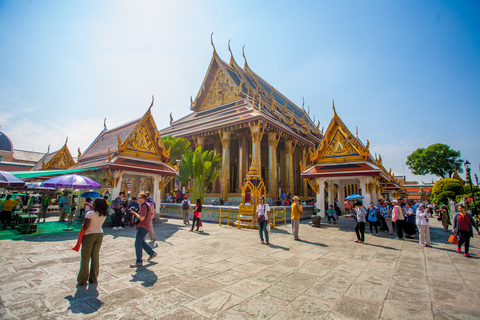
[394,201]
[296,198]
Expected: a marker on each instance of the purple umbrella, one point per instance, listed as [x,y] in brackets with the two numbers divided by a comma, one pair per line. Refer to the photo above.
[8,180]
[38,186]
[72,181]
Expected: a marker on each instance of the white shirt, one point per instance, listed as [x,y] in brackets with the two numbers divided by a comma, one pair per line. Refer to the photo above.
[422,217]
[262,209]
[96,222]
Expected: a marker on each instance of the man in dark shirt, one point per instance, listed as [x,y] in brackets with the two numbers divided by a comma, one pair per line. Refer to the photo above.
[145,216]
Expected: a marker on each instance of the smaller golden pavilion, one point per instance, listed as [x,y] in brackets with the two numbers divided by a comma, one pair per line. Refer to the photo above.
[342,165]
[58,160]
[130,158]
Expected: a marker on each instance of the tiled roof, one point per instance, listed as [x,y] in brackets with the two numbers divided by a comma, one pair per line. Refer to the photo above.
[336,170]
[45,159]
[27,156]
[108,139]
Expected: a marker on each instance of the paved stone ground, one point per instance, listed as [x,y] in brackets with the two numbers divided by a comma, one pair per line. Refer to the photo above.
[225,273]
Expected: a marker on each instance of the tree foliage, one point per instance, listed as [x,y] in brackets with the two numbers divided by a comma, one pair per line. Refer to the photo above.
[179,147]
[437,159]
[197,170]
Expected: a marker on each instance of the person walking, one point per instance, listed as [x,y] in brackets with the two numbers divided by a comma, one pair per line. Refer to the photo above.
[446,221]
[372,218]
[262,215]
[297,210]
[45,202]
[409,221]
[331,214]
[398,218]
[118,209]
[463,225]
[91,242]
[422,216]
[197,215]
[388,217]
[7,206]
[145,216]
[360,226]
[186,207]
[63,207]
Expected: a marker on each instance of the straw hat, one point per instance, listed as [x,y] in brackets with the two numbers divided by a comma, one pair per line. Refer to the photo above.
[296,198]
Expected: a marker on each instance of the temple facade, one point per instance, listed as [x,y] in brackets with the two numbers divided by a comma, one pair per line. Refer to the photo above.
[58,160]
[129,158]
[342,165]
[239,115]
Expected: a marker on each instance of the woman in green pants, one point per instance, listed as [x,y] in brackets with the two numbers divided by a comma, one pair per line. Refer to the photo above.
[92,241]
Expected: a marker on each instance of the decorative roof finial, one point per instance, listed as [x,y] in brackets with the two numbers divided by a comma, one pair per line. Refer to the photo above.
[357,131]
[171,118]
[309,111]
[105,124]
[191,101]
[66,140]
[151,105]
[231,54]
[48,150]
[211,41]
[79,153]
[243,52]
[303,102]
[333,105]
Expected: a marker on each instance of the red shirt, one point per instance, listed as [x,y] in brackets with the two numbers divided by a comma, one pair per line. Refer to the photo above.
[145,211]
[464,222]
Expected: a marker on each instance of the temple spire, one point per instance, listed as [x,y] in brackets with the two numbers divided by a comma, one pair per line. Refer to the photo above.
[211,41]
[231,54]
[243,52]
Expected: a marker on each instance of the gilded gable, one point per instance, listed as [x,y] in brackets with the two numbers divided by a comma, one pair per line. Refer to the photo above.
[340,147]
[61,160]
[221,92]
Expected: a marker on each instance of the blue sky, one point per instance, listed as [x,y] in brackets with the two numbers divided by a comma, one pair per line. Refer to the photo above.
[406,73]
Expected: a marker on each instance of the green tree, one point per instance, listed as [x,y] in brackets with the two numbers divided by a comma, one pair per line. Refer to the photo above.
[179,147]
[197,170]
[437,159]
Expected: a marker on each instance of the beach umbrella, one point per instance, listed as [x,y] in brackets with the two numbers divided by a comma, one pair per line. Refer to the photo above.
[38,186]
[72,181]
[354,197]
[90,194]
[8,180]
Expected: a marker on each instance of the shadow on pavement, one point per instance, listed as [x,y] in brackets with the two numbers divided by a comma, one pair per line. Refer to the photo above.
[313,243]
[85,300]
[144,275]
[274,246]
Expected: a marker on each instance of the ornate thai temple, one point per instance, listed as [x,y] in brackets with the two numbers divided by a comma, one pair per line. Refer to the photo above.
[342,165]
[129,158]
[57,160]
[243,117]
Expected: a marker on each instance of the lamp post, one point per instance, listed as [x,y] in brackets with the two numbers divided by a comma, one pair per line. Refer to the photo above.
[467,167]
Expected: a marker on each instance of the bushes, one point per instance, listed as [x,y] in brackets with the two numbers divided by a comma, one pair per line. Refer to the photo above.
[444,197]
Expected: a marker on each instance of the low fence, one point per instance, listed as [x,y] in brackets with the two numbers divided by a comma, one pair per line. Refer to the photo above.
[228,215]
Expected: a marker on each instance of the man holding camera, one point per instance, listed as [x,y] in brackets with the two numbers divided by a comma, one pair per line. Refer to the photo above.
[297,209]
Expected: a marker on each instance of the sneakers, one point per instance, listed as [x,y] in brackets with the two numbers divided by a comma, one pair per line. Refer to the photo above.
[136,265]
[154,254]
[467,255]
[114,228]
[458,250]
[120,228]
[376,234]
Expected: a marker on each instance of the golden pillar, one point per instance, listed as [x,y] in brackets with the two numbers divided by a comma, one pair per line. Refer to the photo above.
[305,163]
[256,130]
[225,184]
[272,163]
[199,142]
[243,161]
[290,148]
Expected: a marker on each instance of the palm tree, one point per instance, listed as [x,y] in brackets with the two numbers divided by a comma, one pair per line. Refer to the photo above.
[197,170]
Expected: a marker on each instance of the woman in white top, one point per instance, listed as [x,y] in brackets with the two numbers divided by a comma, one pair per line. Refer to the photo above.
[423,226]
[92,241]
[262,216]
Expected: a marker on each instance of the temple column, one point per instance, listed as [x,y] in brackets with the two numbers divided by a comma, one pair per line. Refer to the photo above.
[256,130]
[365,194]
[199,142]
[289,166]
[321,197]
[225,183]
[242,154]
[272,162]
[341,196]
[331,196]
[305,163]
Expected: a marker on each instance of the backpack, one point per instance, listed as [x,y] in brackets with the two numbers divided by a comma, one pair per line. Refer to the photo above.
[116,204]
[45,201]
[185,204]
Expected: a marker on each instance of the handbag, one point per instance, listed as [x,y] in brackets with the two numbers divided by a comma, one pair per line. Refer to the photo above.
[268,228]
[453,239]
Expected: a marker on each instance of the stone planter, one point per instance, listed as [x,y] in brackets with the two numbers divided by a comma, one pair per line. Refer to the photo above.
[316,221]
